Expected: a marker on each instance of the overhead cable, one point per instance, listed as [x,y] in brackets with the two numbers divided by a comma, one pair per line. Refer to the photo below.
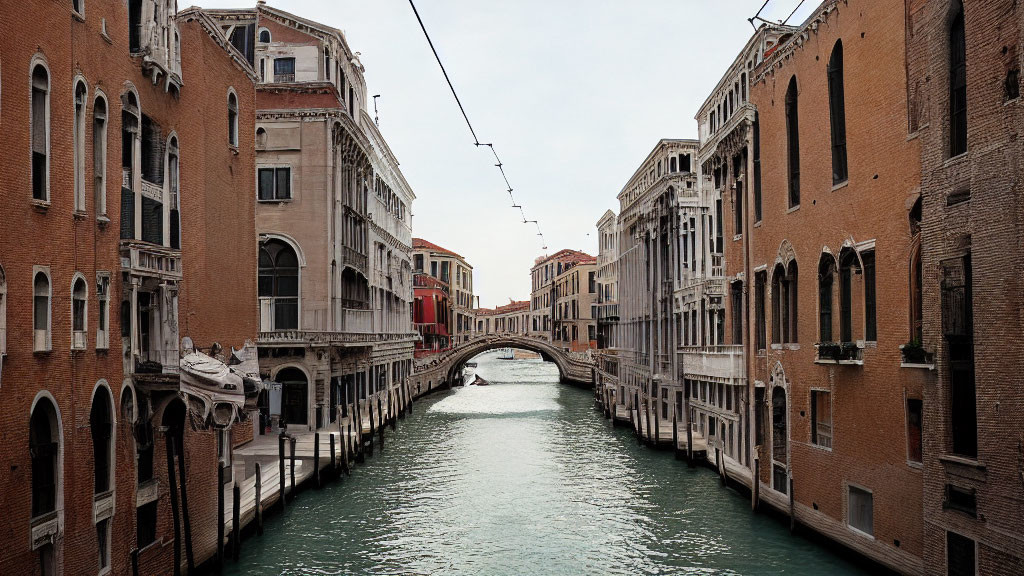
[476,141]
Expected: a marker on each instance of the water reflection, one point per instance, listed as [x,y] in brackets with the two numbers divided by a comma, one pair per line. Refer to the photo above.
[524,477]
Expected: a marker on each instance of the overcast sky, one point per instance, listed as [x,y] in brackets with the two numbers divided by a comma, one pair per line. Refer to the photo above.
[573,93]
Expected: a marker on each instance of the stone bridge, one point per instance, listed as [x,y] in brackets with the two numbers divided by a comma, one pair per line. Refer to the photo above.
[445,368]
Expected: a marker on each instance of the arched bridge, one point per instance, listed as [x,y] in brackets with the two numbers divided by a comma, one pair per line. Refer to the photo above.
[446,367]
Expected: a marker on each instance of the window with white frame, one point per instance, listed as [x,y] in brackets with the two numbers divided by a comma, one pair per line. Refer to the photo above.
[103,320]
[41,312]
[79,308]
[78,6]
[40,135]
[275,183]
[99,155]
[860,510]
[232,119]
[79,145]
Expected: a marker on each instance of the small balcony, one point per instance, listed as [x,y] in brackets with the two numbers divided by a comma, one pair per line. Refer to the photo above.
[284,78]
[913,355]
[351,257]
[842,353]
[724,362]
[145,259]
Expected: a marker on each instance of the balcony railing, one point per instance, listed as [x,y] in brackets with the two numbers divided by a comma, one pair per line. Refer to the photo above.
[284,77]
[356,321]
[351,257]
[846,353]
[145,259]
[713,361]
[329,337]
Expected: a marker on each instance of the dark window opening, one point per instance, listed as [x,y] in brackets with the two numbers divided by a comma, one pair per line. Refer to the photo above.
[957,85]
[101,426]
[40,132]
[914,416]
[242,38]
[760,279]
[757,169]
[958,330]
[134,25]
[43,448]
[962,499]
[736,301]
[793,142]
[284,69]
[826,278]
[837,114]
[870,312]
[275,184]
[961,557]
[145,524]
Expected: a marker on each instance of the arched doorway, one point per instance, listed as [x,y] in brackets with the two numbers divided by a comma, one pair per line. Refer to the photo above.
[294,396]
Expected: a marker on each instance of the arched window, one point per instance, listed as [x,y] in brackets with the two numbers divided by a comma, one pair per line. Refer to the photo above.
[278,286]
[780,440]
[826,279]
[41,312]
[79,299]
[916,276]
[849,266]
[793,142]
[40,135]
[101,424]
[264,35]
[784,303]
[232,119]
[794,311]
[174,199]
[79,145]
[957,83]
[99,155]
[837,114]
[261,138]
[44,447]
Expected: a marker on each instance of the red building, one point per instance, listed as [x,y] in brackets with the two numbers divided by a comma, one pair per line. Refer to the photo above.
[126,165]
[431,313]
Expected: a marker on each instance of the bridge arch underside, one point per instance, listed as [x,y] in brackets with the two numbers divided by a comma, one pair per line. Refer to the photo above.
[547,353]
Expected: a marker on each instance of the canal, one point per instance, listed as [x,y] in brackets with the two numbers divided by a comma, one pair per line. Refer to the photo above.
[525,477]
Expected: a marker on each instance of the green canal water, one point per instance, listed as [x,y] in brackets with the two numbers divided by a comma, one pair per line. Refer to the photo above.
[525,477]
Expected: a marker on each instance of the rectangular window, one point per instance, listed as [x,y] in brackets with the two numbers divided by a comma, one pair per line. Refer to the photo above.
[793,142]
[736,302]
[284,69]
[837,114]
[958,330]
[40,134]
[821,418]
[870,314]
[961,499]
[145,524]
[275,184]
[757,169]
[103,543]
[914,415]
[759,415]
[958,87]
[961,557]
[760,279]
[860,514]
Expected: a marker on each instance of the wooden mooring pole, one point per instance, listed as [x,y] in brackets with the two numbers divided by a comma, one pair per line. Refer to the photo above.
[236,542]
[258,504]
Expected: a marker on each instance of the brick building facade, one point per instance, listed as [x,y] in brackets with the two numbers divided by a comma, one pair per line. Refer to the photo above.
[828,245]
[964,108]
[105,157]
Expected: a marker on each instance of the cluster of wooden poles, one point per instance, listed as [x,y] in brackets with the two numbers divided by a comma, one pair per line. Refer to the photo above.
[651,438]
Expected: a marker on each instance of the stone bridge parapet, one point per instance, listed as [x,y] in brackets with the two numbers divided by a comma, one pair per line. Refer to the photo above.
[444,368]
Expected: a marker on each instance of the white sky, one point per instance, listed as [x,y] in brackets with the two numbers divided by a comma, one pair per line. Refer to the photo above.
[573,93]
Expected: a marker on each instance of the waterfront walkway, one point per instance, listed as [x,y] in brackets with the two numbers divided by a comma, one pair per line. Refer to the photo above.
[296,459]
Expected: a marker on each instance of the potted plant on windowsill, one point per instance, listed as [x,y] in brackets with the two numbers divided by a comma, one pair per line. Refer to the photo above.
[914,354]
